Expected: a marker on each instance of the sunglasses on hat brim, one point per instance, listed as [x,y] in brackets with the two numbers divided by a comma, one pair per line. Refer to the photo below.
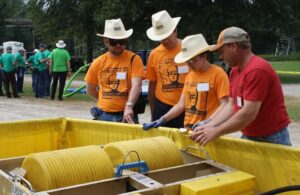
[114,42]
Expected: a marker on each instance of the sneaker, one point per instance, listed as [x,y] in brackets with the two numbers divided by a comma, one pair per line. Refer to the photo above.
[8,96]
[17,96]
[60,98]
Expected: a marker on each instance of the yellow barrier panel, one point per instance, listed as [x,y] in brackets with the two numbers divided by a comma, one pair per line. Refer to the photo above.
[23,137]
[235,183]
[273,165]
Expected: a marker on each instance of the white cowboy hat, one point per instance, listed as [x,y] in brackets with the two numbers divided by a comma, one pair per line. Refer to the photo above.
[162,26]
[60,44]
[114,29]
[192,46]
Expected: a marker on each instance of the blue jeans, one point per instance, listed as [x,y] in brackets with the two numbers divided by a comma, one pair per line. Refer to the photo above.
[35,75]
[115,117]
[40,90]
[20,78]
[1,81]
[280,137]
[47,83]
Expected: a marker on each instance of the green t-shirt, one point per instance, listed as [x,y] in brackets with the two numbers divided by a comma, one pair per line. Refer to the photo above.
[39,56]
[47,53]
[59,58]
[7,60]
[30,60]
[20,60]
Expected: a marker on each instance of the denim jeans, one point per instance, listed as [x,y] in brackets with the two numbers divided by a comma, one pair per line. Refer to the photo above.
[1,81]
[20,78]
[108,116]
[280,137]
[161,109]
[47,83]
[35,75]
[40,90]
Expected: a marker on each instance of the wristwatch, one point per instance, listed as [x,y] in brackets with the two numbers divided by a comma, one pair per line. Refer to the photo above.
[129,104]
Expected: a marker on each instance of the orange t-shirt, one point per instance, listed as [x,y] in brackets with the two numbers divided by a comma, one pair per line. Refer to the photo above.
[203,91]
[112,74]
[169,75]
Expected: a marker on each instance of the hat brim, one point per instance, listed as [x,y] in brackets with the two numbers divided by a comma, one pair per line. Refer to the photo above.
[155,37]
[179,58]
[61,46]
[216,47]
[127,34]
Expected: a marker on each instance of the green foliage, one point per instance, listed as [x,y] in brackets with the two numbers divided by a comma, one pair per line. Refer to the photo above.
[78,20]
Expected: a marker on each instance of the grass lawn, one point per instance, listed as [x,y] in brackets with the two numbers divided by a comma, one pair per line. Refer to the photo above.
[293,107]
[77,97]
[291,66]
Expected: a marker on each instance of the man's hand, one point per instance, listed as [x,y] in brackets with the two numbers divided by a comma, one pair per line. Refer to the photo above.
[128,115]
[205,134]
[154,124]
[200,124]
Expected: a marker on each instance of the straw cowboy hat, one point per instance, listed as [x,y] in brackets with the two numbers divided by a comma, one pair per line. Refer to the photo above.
[192,46]
[162,26]
[114,29]
[60,44]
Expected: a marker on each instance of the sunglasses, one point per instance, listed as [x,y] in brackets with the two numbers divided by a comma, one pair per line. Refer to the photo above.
[114,42]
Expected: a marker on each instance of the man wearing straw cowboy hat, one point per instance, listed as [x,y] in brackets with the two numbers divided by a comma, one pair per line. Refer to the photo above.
[114,79]
[60,68]
[163,92]
[256,103]
[206,87]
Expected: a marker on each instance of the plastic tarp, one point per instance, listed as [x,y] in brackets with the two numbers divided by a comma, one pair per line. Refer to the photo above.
[273,165]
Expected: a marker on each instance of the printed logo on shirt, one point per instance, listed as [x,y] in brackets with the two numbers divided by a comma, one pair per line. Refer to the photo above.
[113,86]
[196,101]
[171,79]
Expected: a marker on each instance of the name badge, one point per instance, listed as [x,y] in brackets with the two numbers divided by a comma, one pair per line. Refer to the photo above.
[202,87]
[121,75]
[183,69]
[239,101]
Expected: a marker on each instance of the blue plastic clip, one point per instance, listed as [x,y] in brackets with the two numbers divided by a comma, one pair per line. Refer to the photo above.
[141,164]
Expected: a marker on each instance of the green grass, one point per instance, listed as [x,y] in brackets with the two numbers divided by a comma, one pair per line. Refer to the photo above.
[292,66]
[80,76]
[77,97]
[293,107]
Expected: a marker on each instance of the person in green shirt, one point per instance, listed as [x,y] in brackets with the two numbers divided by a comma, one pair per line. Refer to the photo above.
[1,72]
[60,68]
[40,61]
[20,70]
[47,53]
[8,63]
[34,70]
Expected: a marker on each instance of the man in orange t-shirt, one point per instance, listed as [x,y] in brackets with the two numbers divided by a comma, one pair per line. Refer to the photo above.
[206,87]
[166,78]
[114,79]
